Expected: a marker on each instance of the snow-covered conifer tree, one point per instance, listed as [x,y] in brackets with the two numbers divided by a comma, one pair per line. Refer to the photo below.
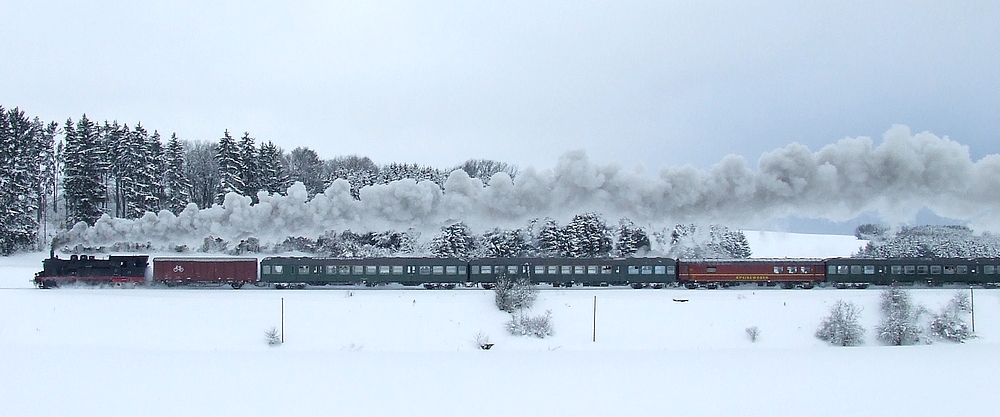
[20,154]
[588,237]
[455,241]
[551,239]
[250,174]
[499,243]
[230,163]
[631,239]
[176,185]
[273,178]
[82,186]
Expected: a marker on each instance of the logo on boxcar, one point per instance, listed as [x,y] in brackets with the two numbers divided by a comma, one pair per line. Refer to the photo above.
[178,268]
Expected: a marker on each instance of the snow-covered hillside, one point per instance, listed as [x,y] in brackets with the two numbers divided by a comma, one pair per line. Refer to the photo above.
[392,352]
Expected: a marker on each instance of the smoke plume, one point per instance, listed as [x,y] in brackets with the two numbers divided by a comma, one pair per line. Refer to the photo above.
[894,179]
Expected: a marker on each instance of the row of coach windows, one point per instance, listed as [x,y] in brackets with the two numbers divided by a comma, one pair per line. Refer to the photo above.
[368,269]
[790,269]
[576,269]
[909,269]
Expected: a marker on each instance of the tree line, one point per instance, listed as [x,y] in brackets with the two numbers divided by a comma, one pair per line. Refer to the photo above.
[56,176]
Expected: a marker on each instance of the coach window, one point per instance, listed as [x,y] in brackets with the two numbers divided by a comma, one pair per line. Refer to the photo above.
[843,269]
[660,270]
[425,270]
[988,269]
[303,269]
[450,270]
[962,269]
[936,269]
[565,269]
[855,269]
[462,269]
[949,270]
[331,270]
[896,269]
[633,270]
[553,269]
[777,270]
[437,270]
[671,270]
[370,270]
[278,269]
[512,269]
[497,269]
[358,270]
[792,270]
[710,269]
[869,269]
[397,269]
[804,269]
[831,269]
[922,269]
[646,270]
[265,269]
[605,269]
[383,269]
[592,269]
[539,269]
[909,269]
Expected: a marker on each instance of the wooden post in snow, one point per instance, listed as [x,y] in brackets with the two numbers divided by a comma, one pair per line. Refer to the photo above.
[594,339]
[282,320]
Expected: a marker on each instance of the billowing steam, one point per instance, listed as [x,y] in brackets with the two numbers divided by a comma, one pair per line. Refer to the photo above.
[894,179]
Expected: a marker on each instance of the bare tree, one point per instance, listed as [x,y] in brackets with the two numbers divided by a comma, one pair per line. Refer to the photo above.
[753,332]
[841,327]
[899,318]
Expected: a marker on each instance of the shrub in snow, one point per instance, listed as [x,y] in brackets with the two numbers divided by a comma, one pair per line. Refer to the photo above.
[521,324]
[296,244]
[949,323]
[513,294]
[483,341]
[273,337]
[248,245]
[899,318]
[214,244]
[841,327]
[455,241]
[753,332]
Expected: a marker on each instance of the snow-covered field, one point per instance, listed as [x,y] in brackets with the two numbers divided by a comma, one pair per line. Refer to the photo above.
[184,352]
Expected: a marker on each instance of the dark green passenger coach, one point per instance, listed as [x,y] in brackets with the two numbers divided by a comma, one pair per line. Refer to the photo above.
[930,271]
[376,271]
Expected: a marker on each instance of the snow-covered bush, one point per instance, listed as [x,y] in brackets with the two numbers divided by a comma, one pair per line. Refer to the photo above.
[273,337]
[214,244]
[753,332]
[248,245]
[521,324]
[512,294]
[949,323]
[841,327]
[483,341]
[898,325]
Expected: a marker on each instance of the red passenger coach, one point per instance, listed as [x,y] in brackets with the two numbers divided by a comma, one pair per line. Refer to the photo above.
[201,271]
[787,272]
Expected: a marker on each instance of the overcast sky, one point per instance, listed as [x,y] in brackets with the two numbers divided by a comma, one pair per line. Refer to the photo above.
[658,83]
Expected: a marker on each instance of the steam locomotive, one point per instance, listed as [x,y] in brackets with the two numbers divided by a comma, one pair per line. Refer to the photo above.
[300,272]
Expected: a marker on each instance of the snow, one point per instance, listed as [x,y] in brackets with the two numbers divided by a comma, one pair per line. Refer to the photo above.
[766,244]
[393,351]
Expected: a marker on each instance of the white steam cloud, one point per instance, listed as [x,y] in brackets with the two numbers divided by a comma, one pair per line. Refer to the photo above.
[895,179]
